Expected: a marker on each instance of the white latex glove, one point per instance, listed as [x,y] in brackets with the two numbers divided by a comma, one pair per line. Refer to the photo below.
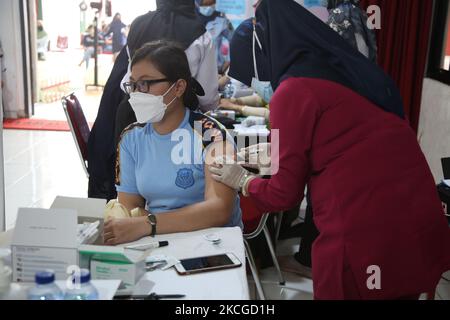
[253,121]
[257,157]
[227,171]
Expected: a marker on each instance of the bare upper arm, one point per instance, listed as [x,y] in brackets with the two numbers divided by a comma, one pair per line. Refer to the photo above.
[214,189]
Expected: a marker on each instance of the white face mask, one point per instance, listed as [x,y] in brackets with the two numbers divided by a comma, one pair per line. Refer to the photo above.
[148,107]
[207,11]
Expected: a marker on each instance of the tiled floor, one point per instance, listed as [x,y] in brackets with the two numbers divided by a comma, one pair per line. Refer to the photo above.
[38,167]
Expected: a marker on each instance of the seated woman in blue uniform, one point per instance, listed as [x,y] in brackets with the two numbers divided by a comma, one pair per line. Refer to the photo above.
[162,160]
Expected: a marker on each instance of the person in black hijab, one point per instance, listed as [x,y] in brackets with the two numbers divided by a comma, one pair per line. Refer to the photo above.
[242,69]
[174,20]
[342,131]
[169,23]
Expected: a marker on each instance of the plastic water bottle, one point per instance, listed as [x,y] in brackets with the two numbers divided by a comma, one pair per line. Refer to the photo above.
[5,277]
[9,290]
[82,287]
[45,288]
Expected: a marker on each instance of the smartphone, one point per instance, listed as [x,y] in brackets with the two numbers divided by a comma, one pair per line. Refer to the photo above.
[206,264]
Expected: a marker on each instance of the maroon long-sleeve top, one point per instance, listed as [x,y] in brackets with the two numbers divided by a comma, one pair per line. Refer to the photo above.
[373,195]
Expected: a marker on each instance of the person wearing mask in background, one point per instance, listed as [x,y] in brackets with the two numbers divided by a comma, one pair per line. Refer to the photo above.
[174,20]
[221,30]
[246,49]
[374,197]
[117,29]
[181,196]
[243,68]
[346,18]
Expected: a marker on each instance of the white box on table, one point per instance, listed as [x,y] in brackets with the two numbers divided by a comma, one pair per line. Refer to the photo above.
[42,240]
[88,210]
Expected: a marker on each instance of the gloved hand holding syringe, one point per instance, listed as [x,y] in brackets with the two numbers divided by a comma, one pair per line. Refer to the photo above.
[257,157]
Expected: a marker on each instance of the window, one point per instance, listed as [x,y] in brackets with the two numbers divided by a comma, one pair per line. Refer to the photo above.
[439,58]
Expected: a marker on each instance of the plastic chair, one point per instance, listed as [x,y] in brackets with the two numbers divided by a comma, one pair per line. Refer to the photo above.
[250,216]
[78,126]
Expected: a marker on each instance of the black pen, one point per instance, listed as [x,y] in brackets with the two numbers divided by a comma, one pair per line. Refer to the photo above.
[148,246]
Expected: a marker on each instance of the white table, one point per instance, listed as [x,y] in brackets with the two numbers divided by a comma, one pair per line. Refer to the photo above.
[218,285]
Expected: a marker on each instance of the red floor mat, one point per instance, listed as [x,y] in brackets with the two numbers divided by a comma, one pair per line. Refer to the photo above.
[36,124]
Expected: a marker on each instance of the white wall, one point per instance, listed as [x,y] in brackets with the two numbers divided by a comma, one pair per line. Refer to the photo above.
[434,126]
[10,36]
[62,18]
[131,9]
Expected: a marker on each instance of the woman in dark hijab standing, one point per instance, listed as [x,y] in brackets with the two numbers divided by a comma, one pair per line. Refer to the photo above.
[350,22]
[383,234]
[174,20]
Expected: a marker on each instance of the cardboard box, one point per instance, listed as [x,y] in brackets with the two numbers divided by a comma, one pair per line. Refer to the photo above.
[113,263]
[42,240]
[88,210]
[105,263]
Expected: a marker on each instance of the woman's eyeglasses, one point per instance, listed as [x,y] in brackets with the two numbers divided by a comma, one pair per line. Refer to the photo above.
[142,86]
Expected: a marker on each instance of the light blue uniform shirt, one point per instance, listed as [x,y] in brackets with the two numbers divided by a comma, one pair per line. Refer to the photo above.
[146,166]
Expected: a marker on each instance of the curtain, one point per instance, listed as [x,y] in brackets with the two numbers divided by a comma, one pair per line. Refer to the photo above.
[403,43]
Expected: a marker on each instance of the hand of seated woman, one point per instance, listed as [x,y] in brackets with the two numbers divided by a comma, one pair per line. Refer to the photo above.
[125,230]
